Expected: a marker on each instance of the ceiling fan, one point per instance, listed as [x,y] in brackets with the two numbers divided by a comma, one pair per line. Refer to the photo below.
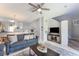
[38,7]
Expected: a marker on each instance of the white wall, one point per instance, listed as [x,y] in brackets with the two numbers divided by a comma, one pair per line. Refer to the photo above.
[53,23]
[74,29]
[34,25]
[70,30]
[64,33]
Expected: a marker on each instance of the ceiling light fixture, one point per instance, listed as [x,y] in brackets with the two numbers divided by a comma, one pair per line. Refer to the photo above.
[12,21]
[39,10]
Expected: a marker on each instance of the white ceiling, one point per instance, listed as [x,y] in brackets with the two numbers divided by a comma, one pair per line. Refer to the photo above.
[24,13]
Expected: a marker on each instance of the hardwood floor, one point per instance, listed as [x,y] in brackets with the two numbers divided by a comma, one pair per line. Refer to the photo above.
[74,44]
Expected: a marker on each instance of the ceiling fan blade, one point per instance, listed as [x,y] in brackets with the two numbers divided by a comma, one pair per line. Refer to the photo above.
[38,5]
[34,10]
[32,5]
[45,9]
[41,4]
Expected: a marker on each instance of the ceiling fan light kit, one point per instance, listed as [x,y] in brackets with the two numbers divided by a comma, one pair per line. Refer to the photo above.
[12,21]
[38,7]
[39,10]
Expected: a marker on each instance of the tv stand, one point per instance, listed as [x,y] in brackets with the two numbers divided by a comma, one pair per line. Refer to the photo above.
[55,37]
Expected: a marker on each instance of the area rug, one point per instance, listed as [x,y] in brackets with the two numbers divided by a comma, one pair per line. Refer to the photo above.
[26,52]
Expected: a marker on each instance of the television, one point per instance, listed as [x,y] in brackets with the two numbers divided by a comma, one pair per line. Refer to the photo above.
[54,30]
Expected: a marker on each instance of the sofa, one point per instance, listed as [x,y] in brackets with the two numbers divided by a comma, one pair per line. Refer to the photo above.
[1,49]
[20,44]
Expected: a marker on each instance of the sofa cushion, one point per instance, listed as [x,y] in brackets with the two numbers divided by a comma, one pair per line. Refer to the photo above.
[31,37]
[16,44]
[20,37]
[26,37]
[12,39]
[1,53]
[32,42]
[16,48]
[1,49]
